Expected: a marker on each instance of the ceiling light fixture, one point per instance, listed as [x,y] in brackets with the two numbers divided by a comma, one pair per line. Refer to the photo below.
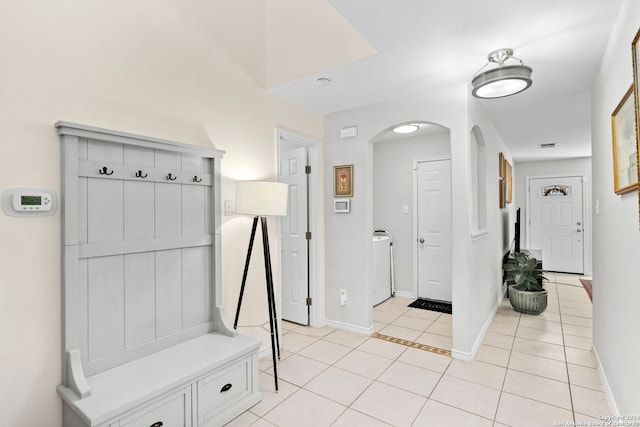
[405,128]
[323,81]
[502,81]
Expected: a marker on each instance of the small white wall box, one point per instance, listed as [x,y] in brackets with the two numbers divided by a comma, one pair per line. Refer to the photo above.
[341,205]
[24,201]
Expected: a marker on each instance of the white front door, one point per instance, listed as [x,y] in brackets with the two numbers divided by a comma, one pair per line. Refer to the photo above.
[556,223]
[295,267]
[434,229]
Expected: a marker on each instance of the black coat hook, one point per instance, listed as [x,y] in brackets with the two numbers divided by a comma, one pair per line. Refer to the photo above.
[103,171]
[171,177]
[195,179]
[139,175]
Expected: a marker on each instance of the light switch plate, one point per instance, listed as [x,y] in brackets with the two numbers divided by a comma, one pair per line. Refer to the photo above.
[228,207]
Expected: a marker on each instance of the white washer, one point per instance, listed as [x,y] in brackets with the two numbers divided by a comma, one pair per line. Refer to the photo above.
[381,289]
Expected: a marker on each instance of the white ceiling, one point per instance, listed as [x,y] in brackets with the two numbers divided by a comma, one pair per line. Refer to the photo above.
[420,43]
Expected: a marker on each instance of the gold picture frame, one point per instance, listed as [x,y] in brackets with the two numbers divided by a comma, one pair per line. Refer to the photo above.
[509,182]
[635,53]
[343,181]
[625,145]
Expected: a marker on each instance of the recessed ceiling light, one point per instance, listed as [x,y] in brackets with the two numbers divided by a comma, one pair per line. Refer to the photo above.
[405,128]
[323,81]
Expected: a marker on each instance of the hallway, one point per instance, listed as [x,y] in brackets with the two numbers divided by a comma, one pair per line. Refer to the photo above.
[529,371]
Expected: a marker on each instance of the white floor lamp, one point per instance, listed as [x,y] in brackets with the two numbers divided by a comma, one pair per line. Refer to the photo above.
[262,199]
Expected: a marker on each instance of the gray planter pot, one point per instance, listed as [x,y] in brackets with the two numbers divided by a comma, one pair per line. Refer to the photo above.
[528,302]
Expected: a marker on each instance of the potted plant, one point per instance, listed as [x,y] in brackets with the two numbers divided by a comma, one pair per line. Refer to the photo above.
[524,280]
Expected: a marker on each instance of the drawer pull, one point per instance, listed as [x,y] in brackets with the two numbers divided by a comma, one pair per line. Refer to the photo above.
[157,424]
[226,387]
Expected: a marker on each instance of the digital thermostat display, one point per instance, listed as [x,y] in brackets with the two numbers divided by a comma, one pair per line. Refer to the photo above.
[31,202]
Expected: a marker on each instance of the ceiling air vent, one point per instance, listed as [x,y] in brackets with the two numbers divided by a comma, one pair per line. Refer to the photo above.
[548,145]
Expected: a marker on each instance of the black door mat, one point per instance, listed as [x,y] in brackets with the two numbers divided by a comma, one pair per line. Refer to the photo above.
[427,304]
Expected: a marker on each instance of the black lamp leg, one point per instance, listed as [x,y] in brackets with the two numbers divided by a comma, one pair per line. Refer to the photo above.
[246,270]
[270,297]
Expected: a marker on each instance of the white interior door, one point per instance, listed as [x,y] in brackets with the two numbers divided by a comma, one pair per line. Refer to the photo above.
[434,229]
[556,222]
[295,267]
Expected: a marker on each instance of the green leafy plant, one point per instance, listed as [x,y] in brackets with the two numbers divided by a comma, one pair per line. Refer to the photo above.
[523,272]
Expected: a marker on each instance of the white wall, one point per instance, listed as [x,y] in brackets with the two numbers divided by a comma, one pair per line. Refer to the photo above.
[135,66]
[348,247]
[549,168]
[393,188]
[616,237]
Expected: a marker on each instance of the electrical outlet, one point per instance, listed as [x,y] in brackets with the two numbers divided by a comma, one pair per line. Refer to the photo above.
[343,296]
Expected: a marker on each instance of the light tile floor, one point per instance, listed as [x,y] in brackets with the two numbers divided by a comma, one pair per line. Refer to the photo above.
[529,371]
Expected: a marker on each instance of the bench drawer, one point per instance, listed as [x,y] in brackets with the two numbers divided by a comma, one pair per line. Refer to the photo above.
[223,388]
[172,411]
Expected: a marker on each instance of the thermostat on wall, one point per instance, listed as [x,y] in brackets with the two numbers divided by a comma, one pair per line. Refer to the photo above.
[29,202]
[341,205]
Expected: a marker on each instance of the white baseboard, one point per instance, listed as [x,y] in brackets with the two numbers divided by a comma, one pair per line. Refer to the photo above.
[605,383]
[348,327]
[404,294]
[470,355]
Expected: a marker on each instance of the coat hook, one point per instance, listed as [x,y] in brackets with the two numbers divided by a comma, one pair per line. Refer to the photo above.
[103,171]
[139,175]
[171,177]
[195,179]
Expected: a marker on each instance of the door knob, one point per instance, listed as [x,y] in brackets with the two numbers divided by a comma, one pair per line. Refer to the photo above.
[578,223]
[421,240]
[579,231]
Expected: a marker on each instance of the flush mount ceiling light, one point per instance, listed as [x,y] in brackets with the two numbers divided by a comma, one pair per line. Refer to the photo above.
[502,81]
[323,81]
[405,128]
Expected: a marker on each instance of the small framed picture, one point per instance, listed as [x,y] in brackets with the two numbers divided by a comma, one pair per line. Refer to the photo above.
[635,51]
[625,145]
[343,181]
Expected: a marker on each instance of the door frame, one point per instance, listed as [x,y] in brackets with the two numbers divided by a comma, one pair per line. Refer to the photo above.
[586,219]
[316,224]
[417,160]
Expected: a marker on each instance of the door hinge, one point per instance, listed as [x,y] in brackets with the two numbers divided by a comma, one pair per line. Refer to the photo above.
[309,301]
[308,235]
[307,169]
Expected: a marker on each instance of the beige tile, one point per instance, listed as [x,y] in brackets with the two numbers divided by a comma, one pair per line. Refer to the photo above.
[538,388]
[314,332]
[389,404]
[436,414]
[541,366]
[435,340]
[305,408]
[498,340]
[577,312]
[412,322]
[378,326]
[546,325]
[539,335]
[539,348]
[403,301]
[385,316]
[350,339]
[287,326]
[299,370]
[522,412]
[575,320]
[247,418]
[586,419]
[581,331]
[503,328]
[325,351]
[440,328]
[425,359]
[580,357]
[584,377]
[468,396]
[478,372]
[576,304]
[589,402]
[379,347]
[506,318]
[363,363]
[338,385]
[495,355]
[400,332]
[550,316]
[577,342]
[410,378]
[263,423]
[295,342]
[351,418]
[388,307]
[270,399]
[422,314]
